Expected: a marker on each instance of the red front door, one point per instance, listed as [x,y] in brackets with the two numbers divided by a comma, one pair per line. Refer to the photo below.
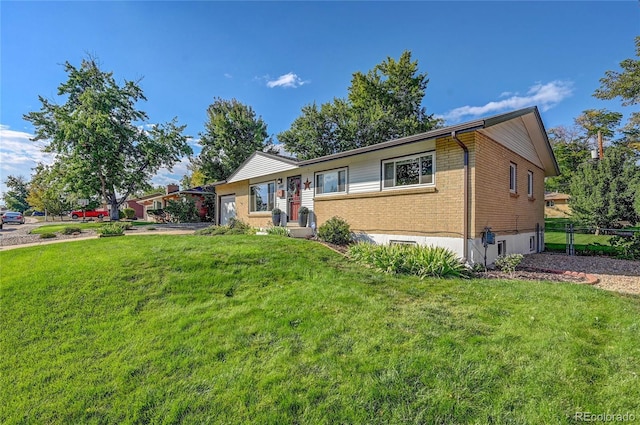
[293,197]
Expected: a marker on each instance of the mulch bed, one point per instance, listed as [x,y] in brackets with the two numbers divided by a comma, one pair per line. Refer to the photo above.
[531,274]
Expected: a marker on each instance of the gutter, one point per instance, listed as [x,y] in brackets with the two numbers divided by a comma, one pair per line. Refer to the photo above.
[465,232]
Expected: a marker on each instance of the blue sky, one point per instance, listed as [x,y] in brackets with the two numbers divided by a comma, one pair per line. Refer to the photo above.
[482,58]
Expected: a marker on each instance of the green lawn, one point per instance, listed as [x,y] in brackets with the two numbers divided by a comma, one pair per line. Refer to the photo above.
[270,330]
[53,228]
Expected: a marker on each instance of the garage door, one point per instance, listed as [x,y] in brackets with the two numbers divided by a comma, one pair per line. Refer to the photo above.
[227,209]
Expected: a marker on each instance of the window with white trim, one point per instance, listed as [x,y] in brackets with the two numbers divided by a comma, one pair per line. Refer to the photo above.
[334,181]
[530,184]
[532,243]
[513,178]
[262,197]
[157,205]
[502,247]
[409,171]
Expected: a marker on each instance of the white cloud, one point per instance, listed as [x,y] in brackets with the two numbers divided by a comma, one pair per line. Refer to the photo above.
[227,75]
[164,177]
[545,96]
[18,154]
[286,80]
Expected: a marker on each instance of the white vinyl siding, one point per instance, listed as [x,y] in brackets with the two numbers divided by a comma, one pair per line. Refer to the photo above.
[262,197]
[333,181]
[409,171]
[260,165]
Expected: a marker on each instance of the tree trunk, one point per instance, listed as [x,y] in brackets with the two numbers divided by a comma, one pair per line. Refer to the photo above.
[115,214]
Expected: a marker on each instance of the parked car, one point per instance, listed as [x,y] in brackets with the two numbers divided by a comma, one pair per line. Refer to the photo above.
[89,214]
[37,214]
[12,217]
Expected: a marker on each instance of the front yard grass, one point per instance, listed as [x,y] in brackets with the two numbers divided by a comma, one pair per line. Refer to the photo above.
[246,329]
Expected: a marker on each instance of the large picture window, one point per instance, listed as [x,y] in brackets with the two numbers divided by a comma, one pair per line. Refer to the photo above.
[409,171]
[262,197]
[334,181]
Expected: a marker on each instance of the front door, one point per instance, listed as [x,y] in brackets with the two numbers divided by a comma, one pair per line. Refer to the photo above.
[293,197]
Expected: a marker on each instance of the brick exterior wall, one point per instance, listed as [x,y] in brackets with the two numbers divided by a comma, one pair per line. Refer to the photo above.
[241,191]
[428,211]
[493,205]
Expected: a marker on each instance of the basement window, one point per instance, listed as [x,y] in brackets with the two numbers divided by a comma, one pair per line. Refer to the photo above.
[502,247]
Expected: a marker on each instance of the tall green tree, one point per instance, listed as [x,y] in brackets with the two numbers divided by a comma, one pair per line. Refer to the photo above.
[15,198]
[624,84]
[232,133]
[99,137]
[604,121]
[383,104]
[571,149]
[603,192]
[46,191]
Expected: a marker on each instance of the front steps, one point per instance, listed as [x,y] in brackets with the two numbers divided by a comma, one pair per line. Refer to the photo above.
[296,231]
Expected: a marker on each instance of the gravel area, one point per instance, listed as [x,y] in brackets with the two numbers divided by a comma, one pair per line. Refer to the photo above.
[612,274]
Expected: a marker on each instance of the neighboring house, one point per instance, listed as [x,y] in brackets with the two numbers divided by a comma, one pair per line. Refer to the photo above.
[556,205]
[159,201]
[442,187]
[136,205]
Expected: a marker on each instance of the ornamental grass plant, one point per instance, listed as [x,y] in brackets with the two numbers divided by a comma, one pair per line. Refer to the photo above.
[417,260]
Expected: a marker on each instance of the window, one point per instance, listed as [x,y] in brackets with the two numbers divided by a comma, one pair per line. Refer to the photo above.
[157,205]
[409,171]
[502,248]
[513,183]
[530,184]
[262,197]
[331,181]
[532,243]
[551,203]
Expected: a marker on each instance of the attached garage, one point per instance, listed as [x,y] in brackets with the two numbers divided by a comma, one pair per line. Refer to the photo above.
[227,209]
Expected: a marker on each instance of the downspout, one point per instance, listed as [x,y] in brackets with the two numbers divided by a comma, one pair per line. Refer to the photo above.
[465,232]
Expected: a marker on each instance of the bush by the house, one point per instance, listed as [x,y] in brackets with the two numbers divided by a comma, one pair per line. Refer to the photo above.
[183,210]
[508,263]
[70,230]
[235,227]
[417,260]
[111,229]
[336,231]
[129,213]
[47,235]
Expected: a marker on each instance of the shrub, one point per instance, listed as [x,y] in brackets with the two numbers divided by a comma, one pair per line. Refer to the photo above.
[508,263]
[111,229]
[417,260]
[183,210]
[235,227]
[627,246]
[47,235]
[336,231]
[276,211]
[129,213]
[303,210]
[279,231]
[70,230]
